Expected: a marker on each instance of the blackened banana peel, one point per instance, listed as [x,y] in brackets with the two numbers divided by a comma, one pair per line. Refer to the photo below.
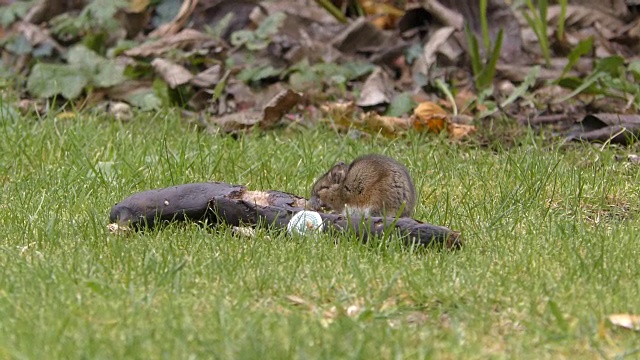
[218,202]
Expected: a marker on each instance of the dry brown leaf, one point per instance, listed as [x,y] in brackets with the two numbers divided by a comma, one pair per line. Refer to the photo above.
[237,121]
[35,35]
[174,74]
[48,9]
[375,89]
[458,131]
[615,128]
[340,112]
[209,77]
[387,125]
[428,116]
[172,27]
[443,14]
[578,16]
[360,34]
[627,321]
[278,106]
[297,300]
[187,38]
[432,47]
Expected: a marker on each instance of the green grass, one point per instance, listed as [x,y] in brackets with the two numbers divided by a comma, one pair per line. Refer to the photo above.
[552,248]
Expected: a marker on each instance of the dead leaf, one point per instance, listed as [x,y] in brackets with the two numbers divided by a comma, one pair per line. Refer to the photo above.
[172,27]
[444,14]
[375,89]
[208,78]
[36,35]
[187,38]
[278,106]
[212,13]
[430,117]
[616,128]
[387,125]
[297,300]
[459,131]
[173,74]
[436,41]
[359,35]
[48,9]
[235,122]
[580,17]
[340,113]
[627,321]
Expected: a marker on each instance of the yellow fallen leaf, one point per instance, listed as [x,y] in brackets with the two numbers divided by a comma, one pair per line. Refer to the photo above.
[430,117]
[386,15]
[627,321]
[387,125]
[340,112]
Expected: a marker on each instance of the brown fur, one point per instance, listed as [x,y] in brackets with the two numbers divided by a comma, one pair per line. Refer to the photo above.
[372,184]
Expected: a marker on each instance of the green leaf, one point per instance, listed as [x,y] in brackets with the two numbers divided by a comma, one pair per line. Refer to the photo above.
[84,58]
[220,27]
[555,311]
[14,11]
[103,10]
[109,74]
[8,112]
[255,74]
[485,78]
[102,72]
[588,85]
[474,51]
[447,92]
[304,80]
[611,65]
[634,68]
[266,72]
[241,37]
[270,25]
[257,44]
[400,105]
[19,45]
[584,47]
[47,80]
[486,40]
[217,91]
[522,89]
[355,70]
[562,18]
[146,99]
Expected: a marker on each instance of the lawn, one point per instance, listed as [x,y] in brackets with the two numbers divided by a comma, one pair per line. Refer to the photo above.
[551,232]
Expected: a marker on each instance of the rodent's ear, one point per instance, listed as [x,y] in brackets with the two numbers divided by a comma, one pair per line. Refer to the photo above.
[338,173]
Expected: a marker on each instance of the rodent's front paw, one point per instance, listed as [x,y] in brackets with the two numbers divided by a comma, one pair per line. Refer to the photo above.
[316,204]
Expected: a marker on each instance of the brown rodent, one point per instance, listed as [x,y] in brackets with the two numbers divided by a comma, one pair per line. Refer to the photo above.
[372,185]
